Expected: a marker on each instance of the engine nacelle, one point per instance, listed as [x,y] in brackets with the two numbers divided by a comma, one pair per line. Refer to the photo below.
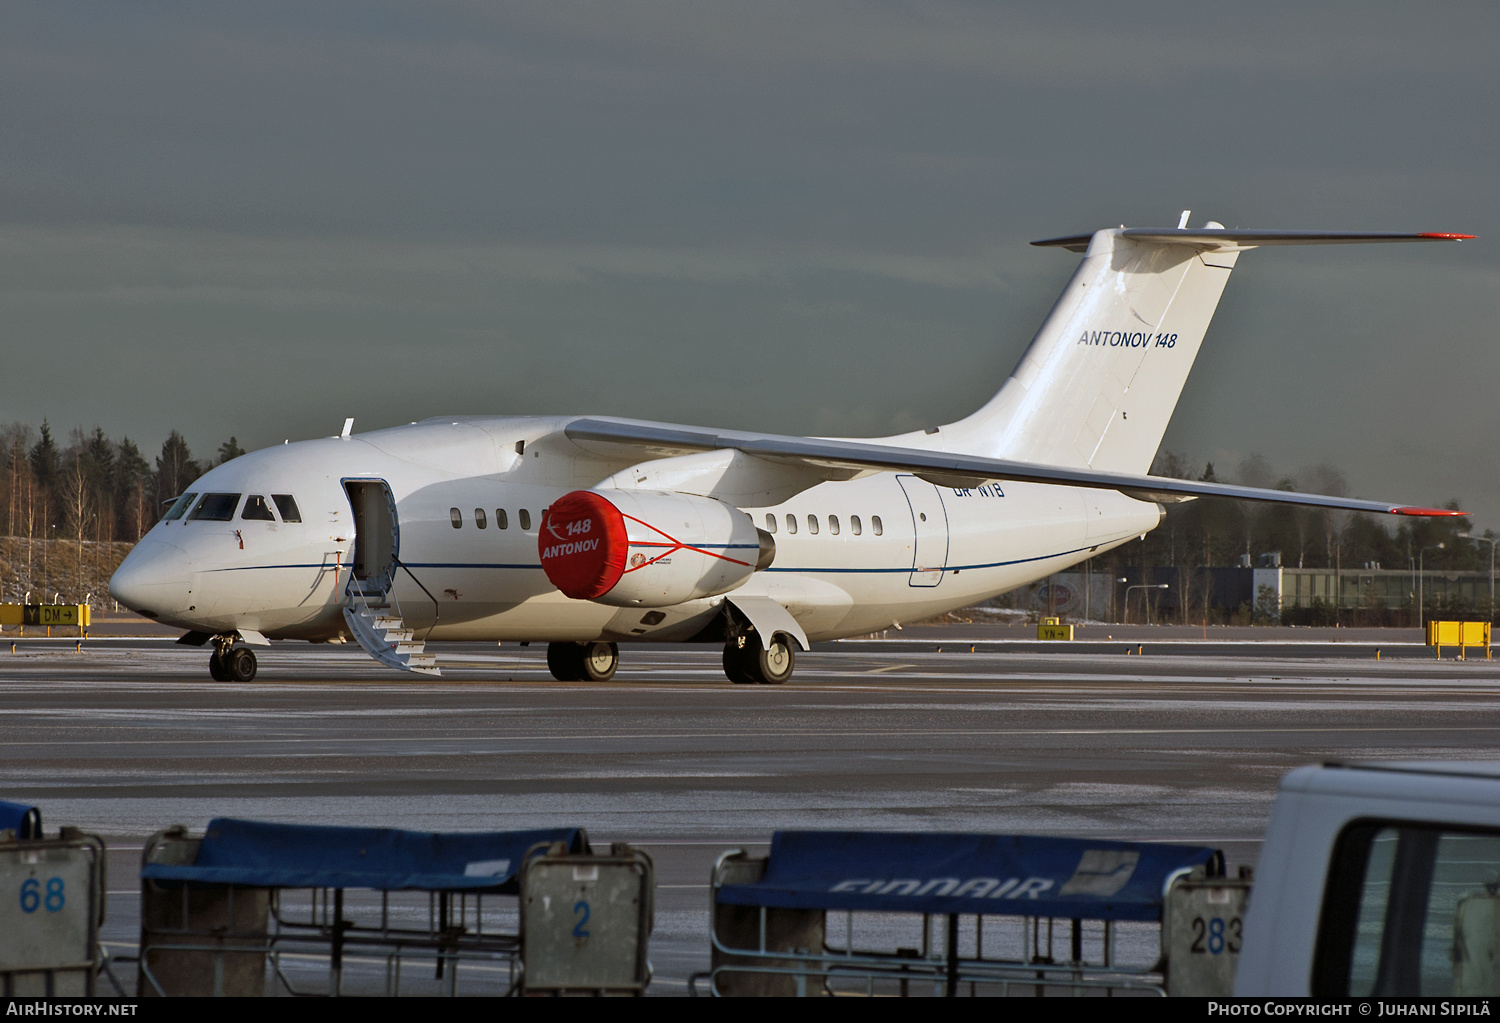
[630,548]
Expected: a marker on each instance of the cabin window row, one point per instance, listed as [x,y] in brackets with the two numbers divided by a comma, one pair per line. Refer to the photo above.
[482,519]
[856,525]
[221,508]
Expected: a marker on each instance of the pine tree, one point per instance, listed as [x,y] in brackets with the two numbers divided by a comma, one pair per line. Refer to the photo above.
[175,468]
[132,473]
[230,449]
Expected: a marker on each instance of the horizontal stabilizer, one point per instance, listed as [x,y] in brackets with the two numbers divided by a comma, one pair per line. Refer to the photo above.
[661,440]
[1234,238]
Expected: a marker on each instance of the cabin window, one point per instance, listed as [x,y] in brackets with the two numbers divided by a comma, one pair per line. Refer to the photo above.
[179,507]
[525,518]
[456,517]
[479,520]
[256,508]
[833,524]
[288,507]
[770,522]
[854,525]
[502,520]
[812,524]
[791,522]
[216,507]
[875,525]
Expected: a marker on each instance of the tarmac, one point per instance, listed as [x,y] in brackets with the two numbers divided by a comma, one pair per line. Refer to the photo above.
[1183,742]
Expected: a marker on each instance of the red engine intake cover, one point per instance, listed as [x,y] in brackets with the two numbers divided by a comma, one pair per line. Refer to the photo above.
[583,545]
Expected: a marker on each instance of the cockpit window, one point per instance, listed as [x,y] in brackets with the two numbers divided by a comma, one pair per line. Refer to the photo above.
[256,508]
[179,507]
[287,507]
[216,507]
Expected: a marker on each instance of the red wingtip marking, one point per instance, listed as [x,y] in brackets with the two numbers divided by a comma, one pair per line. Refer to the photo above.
[1447,236]
[1437,512]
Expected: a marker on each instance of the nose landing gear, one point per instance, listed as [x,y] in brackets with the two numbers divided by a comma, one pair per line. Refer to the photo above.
[230,663]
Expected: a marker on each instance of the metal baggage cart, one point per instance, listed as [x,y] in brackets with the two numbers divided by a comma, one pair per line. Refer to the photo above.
[51,907]
[881,913]
[252,908]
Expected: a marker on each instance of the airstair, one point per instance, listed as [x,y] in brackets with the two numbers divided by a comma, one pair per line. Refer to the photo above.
[384,636]
[370,609]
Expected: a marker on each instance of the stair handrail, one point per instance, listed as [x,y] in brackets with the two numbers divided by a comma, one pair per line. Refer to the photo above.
[436,607]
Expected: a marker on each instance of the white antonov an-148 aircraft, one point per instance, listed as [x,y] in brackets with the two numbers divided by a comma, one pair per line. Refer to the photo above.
[584,532]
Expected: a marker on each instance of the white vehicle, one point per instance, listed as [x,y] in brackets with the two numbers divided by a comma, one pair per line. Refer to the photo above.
[583,532]
[1378,879]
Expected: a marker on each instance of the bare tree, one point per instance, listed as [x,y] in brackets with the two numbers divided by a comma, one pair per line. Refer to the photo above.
[77,512]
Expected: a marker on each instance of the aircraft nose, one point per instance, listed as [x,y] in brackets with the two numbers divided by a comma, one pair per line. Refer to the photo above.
[153,578]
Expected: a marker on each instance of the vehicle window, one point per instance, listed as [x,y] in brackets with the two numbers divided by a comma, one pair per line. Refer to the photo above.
[216,507]
[479,519]
[812,523]
[833,524]
[456,517]
[288,507]
[791,522]
[854,526]
[770,522]
[876,526]
[1412,910]
[524,517]
[179,507]
[502,521]
[256,508]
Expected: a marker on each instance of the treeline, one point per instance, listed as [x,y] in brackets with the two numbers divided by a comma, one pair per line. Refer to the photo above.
[92,487]
[1216,533]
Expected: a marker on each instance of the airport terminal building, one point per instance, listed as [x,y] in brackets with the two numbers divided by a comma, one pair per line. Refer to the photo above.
[1263,594]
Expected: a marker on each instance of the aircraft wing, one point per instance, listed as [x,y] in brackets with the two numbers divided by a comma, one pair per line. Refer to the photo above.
[1235,238]
[614,437]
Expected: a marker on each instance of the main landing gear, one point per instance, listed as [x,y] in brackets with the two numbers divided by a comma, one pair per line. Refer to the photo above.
[748,662]
[582,662]
[230,663]
[745,660]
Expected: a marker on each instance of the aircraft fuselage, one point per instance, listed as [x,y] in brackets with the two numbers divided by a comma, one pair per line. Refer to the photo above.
[468,499]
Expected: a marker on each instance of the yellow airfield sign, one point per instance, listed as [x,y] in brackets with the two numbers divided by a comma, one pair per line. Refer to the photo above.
[45,614]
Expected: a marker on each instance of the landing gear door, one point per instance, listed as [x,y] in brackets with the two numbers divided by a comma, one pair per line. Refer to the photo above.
[930,520]
[377,537]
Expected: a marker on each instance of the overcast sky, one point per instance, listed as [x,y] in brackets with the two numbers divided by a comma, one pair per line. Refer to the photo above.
[257,219]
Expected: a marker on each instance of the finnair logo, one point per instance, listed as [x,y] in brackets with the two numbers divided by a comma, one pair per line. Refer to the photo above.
[973,888]
[560,550]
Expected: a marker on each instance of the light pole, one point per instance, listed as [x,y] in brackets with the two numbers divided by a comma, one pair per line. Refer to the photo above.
[1112,591]
[1142,586]
[1432,547]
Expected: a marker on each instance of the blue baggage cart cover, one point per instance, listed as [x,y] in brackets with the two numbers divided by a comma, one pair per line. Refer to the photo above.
[1000,875]
[25,821]
[261,855]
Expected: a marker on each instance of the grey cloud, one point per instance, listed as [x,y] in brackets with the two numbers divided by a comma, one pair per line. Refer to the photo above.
[256,219]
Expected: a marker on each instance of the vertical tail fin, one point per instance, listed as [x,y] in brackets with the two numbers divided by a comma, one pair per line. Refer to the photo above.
[1100,380]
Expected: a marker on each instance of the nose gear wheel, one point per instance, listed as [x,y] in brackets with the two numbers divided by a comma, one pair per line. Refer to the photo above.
[232,663]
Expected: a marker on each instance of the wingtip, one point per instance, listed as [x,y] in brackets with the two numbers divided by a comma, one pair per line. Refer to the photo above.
[1446,513]
[1447,236]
